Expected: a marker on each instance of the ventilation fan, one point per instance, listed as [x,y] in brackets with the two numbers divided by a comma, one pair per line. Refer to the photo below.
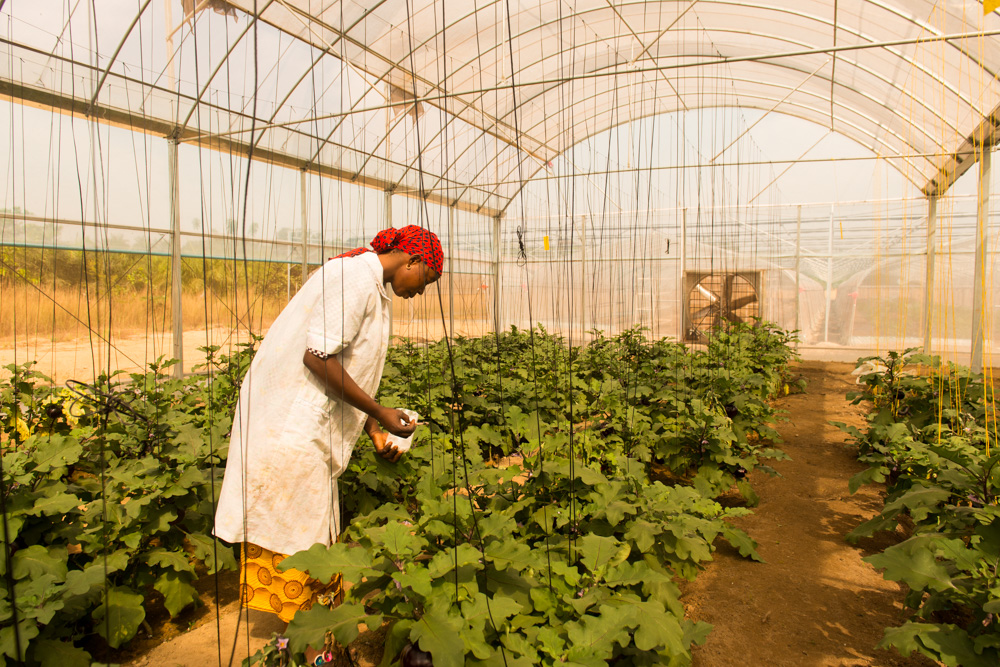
[713,299]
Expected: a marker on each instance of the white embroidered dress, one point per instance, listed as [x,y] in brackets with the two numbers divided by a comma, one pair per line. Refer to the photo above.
[290,441]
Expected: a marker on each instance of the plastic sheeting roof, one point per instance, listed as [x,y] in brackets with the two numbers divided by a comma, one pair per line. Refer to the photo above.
[506,87]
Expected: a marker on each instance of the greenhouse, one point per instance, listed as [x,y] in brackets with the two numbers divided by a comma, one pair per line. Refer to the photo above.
[690,301]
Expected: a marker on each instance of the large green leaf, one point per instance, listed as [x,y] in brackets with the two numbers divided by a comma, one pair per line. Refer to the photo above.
[658,630]
[58,504]
[945,642]
[748,493]
[598,634]
[175,560]
[56,451]
[438,635]
[309,628]
[82,590]
[917,567]
[742,541]
[177,591]
[36,560]
[323,563]
[920,498]
[445,561]
[644,533]
[511,554]
[399,540]
[53,653]
[597,551]
[27,630]
[158,521]
[118,617]
[872,475]
[417,579]
[630,574]
[215,554]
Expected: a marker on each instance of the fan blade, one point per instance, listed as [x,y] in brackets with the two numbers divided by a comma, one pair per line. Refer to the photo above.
[702,312]
[708,294]
[743,301]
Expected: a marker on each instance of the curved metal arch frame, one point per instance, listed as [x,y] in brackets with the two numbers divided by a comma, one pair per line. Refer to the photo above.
[940,80]
[780,38]
[873,73]
[846,122]
[466,105]
[929,28]
[328,51]
[395,123]
[876,75]
[343,35]
[118,50]
[222,61]
[557,152]
[603,9]
[770,8]
[498,120]
[398,66]
[892,111]
[889,159]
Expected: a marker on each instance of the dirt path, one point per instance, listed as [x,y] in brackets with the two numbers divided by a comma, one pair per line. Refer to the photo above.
[212,642]
[814,602]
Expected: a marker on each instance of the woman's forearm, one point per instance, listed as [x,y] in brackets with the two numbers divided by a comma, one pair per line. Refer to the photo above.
[339,384]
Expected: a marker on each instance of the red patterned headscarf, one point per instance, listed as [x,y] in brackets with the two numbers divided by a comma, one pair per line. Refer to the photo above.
[412,240]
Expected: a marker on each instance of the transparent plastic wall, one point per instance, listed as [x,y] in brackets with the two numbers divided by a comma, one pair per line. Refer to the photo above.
[576,274]
[81,194]
[850,277]
[462,301]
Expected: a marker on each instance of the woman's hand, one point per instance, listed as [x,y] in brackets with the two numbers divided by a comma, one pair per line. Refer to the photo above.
[382,447]
[396,422]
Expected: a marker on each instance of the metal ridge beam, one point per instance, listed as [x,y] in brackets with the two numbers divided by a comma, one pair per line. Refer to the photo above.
[83,108]
[967,154]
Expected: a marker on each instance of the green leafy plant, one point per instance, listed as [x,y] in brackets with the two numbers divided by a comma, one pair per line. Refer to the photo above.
[524,526]
[929,439]
[109,497]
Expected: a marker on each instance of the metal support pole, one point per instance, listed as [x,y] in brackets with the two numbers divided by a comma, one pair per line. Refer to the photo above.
[979,281]
[829,282]
[496,274]
[932,201]
[388,224]
[681,314]
[175,255]
[583,265]
[451,273]
[798,271]
[304,205]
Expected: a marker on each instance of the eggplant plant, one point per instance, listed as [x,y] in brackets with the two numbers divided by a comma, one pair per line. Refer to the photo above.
[524,527]
[108,497]
[930,440]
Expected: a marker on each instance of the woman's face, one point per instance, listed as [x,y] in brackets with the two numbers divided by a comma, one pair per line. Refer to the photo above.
[413,277]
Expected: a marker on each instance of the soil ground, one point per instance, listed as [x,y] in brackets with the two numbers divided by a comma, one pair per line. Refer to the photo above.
[814,602]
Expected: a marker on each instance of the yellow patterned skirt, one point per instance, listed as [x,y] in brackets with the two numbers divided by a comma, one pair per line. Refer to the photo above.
[265,588]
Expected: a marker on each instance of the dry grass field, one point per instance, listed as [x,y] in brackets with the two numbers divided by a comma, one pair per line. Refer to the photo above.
[70,336]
